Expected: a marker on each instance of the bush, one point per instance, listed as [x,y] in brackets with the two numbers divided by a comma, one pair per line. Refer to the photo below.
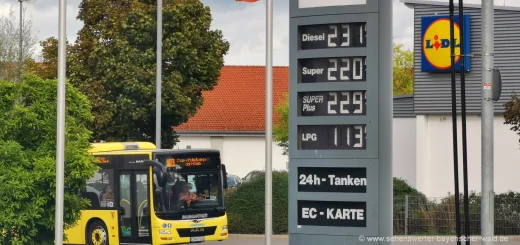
[401,190]
[27,159]
[246,205]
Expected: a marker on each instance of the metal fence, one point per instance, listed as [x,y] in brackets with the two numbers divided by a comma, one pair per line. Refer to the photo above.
[414,215]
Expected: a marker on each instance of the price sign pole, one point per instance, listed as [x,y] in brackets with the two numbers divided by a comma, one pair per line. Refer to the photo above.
[340,156]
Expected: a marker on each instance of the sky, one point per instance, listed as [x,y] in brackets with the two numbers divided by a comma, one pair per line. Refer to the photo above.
[243,25]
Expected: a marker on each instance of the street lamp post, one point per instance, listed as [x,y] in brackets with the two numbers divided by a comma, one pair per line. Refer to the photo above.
[21,29]
[21,40]
[20,58]
[60,127]
[158,76]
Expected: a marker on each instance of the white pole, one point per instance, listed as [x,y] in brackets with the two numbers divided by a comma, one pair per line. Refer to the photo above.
[21,42]
[269,122]
[60,135]
[158,76]
[487,206]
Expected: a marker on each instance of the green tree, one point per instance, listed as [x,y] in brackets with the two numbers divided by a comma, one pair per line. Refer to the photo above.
[48,67]
[281,127]
[27,159]
[113,62]
[403,70]
[512,113]
[403,84]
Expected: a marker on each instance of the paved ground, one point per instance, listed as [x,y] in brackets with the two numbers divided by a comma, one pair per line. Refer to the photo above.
[247,242]
[283,241]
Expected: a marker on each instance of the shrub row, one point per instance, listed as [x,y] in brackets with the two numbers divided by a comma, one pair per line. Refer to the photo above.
[246,204]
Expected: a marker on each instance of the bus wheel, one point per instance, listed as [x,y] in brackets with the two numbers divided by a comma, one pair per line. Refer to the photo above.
[97,234]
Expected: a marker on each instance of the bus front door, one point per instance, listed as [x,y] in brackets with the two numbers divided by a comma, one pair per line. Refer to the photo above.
[134,224]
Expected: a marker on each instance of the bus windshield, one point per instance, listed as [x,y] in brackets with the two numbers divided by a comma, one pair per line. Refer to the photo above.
[192,184]
[192,191]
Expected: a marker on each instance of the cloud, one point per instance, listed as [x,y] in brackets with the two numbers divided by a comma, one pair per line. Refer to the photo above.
[243,25]
[44,15]
[245,29]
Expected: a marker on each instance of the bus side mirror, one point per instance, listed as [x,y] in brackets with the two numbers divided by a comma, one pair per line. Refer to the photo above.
[224,176]
[159,171]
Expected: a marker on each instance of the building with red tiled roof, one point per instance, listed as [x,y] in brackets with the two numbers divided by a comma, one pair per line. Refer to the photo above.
[232,119]
[237,103]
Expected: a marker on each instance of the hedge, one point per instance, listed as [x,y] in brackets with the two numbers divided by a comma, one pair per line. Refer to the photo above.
[246,205]
[245,209]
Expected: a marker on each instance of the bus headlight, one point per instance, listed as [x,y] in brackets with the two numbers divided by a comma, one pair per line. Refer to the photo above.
[224,227]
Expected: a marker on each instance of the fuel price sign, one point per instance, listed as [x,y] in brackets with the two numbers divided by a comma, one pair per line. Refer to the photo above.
[332,213]
[333,36]
[334,103]
[340,158]
[332,137]
[344,69]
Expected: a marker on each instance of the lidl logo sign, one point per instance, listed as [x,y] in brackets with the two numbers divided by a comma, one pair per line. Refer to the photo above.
[436,43]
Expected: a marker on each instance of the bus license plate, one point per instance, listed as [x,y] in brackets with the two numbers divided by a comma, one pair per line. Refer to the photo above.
[197,239]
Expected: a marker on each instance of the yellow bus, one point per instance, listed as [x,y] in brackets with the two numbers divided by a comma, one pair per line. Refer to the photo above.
[142,195]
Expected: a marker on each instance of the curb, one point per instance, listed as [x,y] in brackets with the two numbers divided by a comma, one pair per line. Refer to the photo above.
[256,237]
[286,237]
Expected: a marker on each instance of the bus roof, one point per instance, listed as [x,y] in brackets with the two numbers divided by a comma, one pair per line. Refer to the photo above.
[121,146]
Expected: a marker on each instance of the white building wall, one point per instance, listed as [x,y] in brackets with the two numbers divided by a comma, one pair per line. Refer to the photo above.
[435,155]
[404,149]
[244,154]
[194,142]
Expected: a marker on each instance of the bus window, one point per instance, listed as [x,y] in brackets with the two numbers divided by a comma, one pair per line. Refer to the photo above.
[125,203]
[188,188]
[102,185]
[191,182]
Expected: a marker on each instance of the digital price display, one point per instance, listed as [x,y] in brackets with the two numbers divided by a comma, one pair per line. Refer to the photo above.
[345,69]
[333,36]
[336,103]
[103,160]
[332,213]
[332,137]
[107,160]
[184,163]
[328,179]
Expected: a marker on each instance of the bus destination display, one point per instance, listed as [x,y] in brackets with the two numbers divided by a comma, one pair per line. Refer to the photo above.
[333,36]
[332,213]
[335,103]
[190,163]
[343,69]
[332,137]
[328,179]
